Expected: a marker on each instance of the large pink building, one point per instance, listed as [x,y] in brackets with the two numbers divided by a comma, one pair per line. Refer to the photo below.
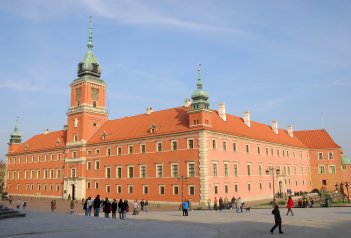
[191,151]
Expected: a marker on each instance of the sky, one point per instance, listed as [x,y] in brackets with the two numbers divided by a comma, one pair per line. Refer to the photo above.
[281,60]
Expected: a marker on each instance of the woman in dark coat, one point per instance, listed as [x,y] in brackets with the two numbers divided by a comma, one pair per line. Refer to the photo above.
[120,208]
[277,219]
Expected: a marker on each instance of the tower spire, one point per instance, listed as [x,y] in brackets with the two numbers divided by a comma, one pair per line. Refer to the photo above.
[90,42]
[199,82]
[15,136]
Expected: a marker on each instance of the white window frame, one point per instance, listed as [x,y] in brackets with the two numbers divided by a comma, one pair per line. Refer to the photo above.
[157,171]
[108,172]
[193,174]
[160,190]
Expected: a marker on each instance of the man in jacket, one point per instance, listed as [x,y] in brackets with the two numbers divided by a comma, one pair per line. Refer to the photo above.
[96,205]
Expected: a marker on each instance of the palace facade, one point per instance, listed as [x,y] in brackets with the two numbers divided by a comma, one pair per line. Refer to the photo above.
[190,151]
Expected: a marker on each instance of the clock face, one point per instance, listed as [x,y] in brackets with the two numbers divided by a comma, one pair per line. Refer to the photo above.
[95,93]
[78,93]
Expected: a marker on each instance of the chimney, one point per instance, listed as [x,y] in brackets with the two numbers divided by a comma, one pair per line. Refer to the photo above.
[290,131]
[221,111]
[247,120]
[65,127]
[148,110]
[275,126]
[46,131]
[187,102]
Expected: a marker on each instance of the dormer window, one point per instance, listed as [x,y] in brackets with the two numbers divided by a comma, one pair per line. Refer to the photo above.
[153,129]
[26,147]
[80,66]
[103,136]
[95,67]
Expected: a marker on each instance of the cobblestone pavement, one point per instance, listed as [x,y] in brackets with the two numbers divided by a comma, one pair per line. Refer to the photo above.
[308,222]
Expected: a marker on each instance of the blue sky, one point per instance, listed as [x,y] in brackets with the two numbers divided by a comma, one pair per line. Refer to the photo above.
[288,61]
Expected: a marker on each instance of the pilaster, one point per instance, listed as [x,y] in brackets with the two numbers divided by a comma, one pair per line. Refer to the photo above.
[203,164]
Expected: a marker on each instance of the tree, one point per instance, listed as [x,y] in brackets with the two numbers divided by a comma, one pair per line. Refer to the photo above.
[2,175]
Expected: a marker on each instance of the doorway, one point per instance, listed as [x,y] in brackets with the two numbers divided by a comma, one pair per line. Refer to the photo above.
[73,192]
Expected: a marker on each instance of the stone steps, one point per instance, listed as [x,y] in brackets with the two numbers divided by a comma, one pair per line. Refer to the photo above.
[6,212]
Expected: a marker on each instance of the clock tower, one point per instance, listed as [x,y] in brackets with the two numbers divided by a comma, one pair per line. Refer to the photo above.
[87,110]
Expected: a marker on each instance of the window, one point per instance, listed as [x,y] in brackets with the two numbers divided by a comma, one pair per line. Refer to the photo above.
[32,174]
[226,173]
[224,145]
[130,149]
[267,151]
[236,169]
[118,172]
[161,189]
[247,149]
[119,189]
[96,185]
[288,169]
[51,187]
[130,189]
[145,189]
[159,170]
[330,155]
[142,148]
[142,171]
[88,165]
[38,174]
[234,146]
[272,152]
[287,153]
[248,169]
[174,145]
[45,174]
[283,153]
[108,188]
[130,171]
[73,172]
[159,146]
[258,149]
[236,187]
[249,187]
[216,189]
[278,152]
[332,169]
[94,103]
[302,170]
[88,184]
[174,171]
[74,154]
[320,155]
[191,169]
[108,152]
[97,151]
[260,169]
[214,165]
[89,152]
[119,150]
[191,190]
[75,137]
[260,185]
[190,143]
[324,182]
[51,157]
[308,169]
[108,172]
[321,169]
[214,144]
[226,189]
[39,187]
[97,165]
[344,167]
[175,189]
[45,187]
[51,173]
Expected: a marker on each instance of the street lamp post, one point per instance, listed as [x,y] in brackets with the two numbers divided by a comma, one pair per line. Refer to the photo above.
[271,171]
[347,189]
[182,178]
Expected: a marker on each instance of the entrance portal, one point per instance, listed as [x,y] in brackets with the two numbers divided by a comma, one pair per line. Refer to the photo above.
[73,192]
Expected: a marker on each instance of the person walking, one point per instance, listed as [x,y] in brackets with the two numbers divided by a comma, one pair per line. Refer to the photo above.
[89,206]
[71,206]
[185,208]
[114,208]
[215,203]
[277,220]
[106,208]
[120,208]
[126,209]
[238,204]
[289,205]
[10,199]
[96,205]
[135,207]
[146,205]
[209,203]
[142,203]
[53,205]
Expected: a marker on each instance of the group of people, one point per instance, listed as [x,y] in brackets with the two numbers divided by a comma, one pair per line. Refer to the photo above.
[121,207]
[223,204]
[304,202]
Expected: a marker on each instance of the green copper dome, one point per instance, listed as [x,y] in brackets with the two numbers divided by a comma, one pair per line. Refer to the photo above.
[345,160]
[199,96]
[15,136]
[89,65]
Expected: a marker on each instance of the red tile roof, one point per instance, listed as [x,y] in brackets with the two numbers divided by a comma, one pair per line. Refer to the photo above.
[176,120]
[43,142]
[316,139]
